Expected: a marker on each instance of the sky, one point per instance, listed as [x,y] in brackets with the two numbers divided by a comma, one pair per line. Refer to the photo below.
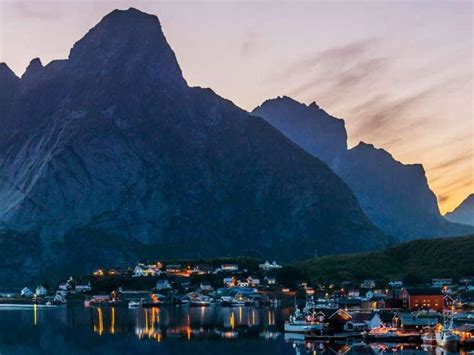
[400,73]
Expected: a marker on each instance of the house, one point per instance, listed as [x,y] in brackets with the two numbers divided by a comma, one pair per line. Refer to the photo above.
[83,288]
[374,300]
[205,286]
[99,272]
[163,285]
[253,281]
[229,267]
[243,283]
[422,298]
[229,281]
[334,319]
[41,291]
[416,320]
[448,301]
[266,266]
[368,284]
[139,271]
[349,303]
[353,293]
[270,280]
[202,269]
[395,284]
[174,268]
[363,321]
[465,332]
[441,282]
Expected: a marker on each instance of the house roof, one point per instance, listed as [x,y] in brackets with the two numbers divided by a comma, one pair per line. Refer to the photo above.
[362,316]
[424,291]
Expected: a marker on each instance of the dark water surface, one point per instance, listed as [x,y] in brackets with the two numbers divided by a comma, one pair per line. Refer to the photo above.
[168,330]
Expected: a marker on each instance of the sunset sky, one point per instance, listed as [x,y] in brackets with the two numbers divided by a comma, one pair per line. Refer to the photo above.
[400,73]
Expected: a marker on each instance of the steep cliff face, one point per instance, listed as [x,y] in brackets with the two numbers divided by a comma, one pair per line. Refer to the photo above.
[310,127]
[464,213]
[111,157]
[396,197]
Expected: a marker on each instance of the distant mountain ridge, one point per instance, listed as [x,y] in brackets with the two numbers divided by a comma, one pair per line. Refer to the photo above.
[109,156]
[396,197]
[464,213]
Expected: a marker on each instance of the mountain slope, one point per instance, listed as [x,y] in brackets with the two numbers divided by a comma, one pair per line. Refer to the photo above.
[396,197]
[417,260]
[464,213]
[111,156]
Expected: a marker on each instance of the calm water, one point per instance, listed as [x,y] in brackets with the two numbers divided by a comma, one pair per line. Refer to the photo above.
[169,330]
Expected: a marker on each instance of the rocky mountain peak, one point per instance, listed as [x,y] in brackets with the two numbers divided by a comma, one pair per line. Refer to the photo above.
[127,43]
[464,213]
[6,74]
[33,69]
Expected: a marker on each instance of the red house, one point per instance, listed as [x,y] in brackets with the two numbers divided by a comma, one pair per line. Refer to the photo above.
[422,298]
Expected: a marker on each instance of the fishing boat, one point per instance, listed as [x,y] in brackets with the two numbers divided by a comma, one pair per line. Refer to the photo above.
[389,334]
[445,336]
[300,322]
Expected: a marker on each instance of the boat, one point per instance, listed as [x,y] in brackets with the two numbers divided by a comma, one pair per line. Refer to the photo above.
[300,322]
[445,336]
[134,304]
[391,335]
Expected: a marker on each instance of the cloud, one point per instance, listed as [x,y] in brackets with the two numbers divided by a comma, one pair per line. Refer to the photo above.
[453,162]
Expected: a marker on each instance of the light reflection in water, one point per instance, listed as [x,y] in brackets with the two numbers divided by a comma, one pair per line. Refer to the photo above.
[35,312]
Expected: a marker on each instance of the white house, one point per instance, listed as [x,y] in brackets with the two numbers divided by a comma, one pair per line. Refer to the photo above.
[26,292]
[206,286]
[229,267]
[138,271]
[368,284]
[41,291]
[83,288]
[363,321]
[266,266]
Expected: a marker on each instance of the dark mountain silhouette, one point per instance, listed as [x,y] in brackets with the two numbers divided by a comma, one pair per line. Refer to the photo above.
[464,213]
[395,196]
[109,157]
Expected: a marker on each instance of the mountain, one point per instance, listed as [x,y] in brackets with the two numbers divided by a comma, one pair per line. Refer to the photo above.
[416,261]
[396,197]
[464,213]
[328,138]
[109,157]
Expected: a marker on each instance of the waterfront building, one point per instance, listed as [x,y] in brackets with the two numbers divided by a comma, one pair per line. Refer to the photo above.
[41,291]
[422,298]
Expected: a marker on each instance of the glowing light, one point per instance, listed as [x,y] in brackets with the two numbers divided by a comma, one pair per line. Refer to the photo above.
[35,314]
[101,320]
[240,314]
[232,321]
[112,321]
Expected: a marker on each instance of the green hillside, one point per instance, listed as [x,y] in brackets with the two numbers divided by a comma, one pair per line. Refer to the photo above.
[414,262]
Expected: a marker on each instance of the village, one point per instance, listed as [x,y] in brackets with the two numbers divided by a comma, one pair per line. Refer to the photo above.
[440,312]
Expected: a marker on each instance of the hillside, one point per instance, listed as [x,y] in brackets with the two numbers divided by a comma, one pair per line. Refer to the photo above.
[464,213]
[415,261]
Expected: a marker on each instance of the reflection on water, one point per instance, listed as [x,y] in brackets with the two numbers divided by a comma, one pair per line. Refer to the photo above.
[168,330]
[187,323]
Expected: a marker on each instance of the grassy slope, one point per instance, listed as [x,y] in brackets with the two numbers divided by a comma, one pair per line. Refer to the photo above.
[419,260]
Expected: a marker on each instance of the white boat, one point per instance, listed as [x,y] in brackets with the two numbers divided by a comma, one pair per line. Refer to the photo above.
[301,323]
[134,304]
[445,337]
